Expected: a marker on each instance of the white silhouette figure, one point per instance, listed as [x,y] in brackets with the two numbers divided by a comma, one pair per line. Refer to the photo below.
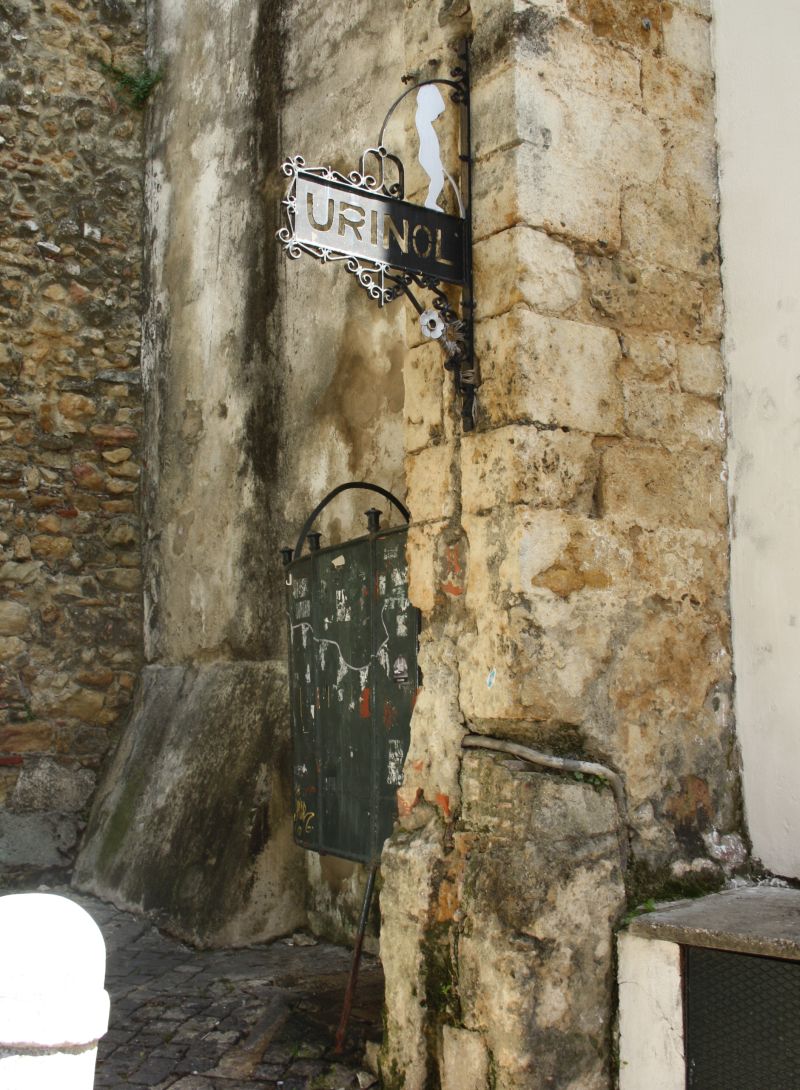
[430,105]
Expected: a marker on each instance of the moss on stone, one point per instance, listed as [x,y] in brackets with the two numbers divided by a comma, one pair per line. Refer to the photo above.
[646,883]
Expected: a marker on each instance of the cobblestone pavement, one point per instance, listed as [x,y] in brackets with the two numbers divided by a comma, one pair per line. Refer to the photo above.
[260,1017]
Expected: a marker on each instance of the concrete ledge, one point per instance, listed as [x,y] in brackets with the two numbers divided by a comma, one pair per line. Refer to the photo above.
[759,920]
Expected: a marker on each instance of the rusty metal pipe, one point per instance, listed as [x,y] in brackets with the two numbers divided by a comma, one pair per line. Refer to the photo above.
[351,983]
[559,764]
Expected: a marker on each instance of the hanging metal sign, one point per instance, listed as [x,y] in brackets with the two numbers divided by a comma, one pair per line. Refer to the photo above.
[345,221]
[394,247]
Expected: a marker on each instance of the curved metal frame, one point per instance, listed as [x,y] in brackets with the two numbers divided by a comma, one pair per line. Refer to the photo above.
[367,487]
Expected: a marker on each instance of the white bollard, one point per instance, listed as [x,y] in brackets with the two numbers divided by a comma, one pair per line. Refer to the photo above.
[53,1007]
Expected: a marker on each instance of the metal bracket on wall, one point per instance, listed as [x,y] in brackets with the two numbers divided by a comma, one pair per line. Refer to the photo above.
[395,248]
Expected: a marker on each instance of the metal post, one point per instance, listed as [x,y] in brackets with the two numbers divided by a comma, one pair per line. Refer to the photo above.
[351,983]
[468,377]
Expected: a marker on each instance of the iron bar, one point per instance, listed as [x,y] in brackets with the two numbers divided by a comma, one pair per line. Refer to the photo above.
[353,980]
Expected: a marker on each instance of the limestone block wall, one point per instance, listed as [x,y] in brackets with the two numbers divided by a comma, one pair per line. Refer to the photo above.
[70,415]
[570,556]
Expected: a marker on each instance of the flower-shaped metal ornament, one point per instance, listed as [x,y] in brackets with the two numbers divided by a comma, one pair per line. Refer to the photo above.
[431,324]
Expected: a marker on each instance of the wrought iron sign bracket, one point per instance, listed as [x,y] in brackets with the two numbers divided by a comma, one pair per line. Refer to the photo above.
[395,248]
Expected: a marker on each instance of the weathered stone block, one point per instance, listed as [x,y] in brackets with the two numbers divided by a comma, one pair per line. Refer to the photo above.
[48,785]
[508,32]
[648,298]
[566,178]
[550,371]
[10,647]
[519,464]
[423,376]
[652,411]
[76,406]
[671,227]
[673,563]
[534,956]
[687,39]
[85,704]
[525,551]
[635,23]
[23,573]
[523,265]
[15,619]
[51,548]
[465,1060]
[37,840]
[127,580]
[651,487]
[700,369]
[672,93]
[8,779]
[422,550]
[660,411]
[703,421]
[409,866]
[648,358]
[524,39]
[664,688]
[700,7]
[430,487]
[540,659]
[216,857]
[30,737]
[433,763]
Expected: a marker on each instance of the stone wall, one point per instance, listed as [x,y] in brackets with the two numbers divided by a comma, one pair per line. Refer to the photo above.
[70,414]
[570,556]
[266,383]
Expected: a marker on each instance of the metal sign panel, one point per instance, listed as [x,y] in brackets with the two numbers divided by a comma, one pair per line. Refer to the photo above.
[346,220]
[353,678]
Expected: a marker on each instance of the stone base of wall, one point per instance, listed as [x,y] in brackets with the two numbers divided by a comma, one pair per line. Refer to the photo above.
[192,824]
[496,937]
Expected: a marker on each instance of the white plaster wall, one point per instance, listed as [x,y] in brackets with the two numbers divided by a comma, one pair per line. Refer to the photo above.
[758,90]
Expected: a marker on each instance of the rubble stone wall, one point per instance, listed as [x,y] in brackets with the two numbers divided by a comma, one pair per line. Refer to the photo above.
[70,414]
[570,556]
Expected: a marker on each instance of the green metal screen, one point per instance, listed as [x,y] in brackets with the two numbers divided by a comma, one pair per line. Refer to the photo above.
[353,678]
